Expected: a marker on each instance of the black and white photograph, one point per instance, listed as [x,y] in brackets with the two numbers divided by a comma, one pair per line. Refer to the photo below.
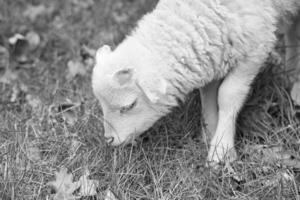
[149,100]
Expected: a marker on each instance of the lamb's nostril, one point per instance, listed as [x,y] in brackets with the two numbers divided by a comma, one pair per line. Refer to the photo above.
[109,140]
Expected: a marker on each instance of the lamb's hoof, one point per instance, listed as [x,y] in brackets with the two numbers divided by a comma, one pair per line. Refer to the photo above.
[219,155]
[213,164]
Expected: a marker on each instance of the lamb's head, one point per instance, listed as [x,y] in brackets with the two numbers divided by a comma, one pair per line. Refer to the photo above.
[132,97]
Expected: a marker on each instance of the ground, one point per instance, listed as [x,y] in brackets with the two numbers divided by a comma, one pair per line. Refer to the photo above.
[50,119]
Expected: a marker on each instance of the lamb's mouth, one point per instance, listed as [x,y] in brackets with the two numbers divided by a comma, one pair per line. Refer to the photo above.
[131,140]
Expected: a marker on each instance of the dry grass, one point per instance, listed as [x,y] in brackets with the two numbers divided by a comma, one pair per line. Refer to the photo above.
[168,161]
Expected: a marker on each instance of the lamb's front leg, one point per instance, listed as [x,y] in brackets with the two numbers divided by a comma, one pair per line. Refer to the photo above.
[231,96]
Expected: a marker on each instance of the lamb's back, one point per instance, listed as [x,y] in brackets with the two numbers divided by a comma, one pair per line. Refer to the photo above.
[196,41]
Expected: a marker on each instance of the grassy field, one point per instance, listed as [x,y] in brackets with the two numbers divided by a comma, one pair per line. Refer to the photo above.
[50,119]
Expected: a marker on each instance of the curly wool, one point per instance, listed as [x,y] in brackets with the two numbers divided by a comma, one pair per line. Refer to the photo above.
[193,42]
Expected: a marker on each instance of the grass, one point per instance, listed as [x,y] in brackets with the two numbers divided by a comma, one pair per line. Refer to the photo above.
[168,161]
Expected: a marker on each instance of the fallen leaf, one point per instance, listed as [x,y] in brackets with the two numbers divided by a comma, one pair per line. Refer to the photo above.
[23,45]
[33,40]
[64,185]
[70,117]
[75,68]
[110,196]
[68,113]
[87,187]
[13,40]
[274,155]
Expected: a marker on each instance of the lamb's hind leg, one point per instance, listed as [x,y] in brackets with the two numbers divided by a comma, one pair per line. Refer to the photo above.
[209,101]
[231,96]
[292,41]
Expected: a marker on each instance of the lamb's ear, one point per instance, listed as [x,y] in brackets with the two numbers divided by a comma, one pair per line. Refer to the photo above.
[102,51]
[123,76]
[154,89]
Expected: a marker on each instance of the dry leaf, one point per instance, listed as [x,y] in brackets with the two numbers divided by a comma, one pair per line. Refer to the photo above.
[68,113]
[64,185]
[70,117]
[13,40]
[87,187]
[110,196]
[33,40]
[23,45]
[273,155]
[75,67]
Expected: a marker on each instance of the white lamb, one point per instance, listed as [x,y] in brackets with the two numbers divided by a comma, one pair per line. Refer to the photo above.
[216,45]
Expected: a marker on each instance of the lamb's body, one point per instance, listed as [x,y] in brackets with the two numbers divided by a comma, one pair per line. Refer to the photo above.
[190,43]
[195,42]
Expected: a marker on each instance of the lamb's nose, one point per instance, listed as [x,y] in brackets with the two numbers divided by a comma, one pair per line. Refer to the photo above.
[109,140]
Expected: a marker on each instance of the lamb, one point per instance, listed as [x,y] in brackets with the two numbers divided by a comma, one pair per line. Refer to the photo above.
[218,46]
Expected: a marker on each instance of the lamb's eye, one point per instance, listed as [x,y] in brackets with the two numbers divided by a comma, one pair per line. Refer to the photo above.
[127,108]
